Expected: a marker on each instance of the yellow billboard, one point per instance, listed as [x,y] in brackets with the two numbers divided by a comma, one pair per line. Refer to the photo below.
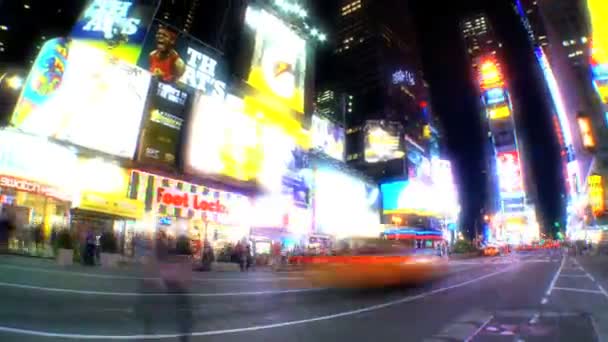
[500,112]
[278,67]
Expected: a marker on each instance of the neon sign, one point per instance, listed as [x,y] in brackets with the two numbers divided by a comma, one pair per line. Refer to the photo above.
[584,125]
[494,96]
[404,77]
[179,199]
[500,112]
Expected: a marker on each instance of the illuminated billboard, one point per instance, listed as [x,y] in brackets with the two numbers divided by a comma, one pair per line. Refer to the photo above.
[584,126]
[174,57]
[98,104]
[490,75]
[494,96]
[44,79]
[166,112]
[382,141]
[499,112]
[596,194]
[344,204]
[509,172]
[327,137]
[408,197]
[221,139]
[118,27]
[278,67]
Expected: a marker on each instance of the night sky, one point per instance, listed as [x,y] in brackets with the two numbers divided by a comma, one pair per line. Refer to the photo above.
[455,101]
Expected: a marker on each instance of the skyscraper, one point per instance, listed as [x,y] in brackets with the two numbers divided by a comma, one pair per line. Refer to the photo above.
[504,164]
[377,62]
[576,106]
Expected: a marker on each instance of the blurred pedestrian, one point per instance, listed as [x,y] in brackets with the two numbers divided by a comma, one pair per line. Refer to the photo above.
[6,228]
[174,275]
[248,257]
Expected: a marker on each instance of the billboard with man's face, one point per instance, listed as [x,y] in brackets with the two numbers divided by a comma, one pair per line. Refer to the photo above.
[116,26]
[178,59]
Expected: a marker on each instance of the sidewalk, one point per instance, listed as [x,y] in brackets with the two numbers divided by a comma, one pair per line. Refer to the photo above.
[124,269]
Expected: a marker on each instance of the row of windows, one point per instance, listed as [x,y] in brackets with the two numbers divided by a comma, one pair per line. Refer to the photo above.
[573,42]
[351,7]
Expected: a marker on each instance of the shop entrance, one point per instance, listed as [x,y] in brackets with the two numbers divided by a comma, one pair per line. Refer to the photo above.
[84,221]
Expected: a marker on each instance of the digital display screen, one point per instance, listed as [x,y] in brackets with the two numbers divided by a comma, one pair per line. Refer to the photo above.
[495,96]
[98,103]
[407,196]
[345,205]
[161,135]
[116,26]
[278,67]
[328,137]
[509,172]
[382,141]
[176,58]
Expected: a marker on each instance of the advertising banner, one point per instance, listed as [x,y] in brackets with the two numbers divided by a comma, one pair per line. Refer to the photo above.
[117,27]
[408,196]
[509,172]
[328,137]
[38,160]
[177,58]
[222,140]
[344,205]
[278,67]
[98,102]
[166,112]
[382,141]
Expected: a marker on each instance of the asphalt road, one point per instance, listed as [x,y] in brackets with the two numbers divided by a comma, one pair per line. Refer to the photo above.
[537,296]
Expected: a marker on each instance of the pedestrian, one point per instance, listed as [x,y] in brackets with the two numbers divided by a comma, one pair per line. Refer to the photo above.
[174,274]
[239,251]
[248,257]
[5,230]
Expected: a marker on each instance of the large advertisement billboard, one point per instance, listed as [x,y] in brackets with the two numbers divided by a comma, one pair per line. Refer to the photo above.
[118,27]
[408,196]
[95,100]
[509,173]
[179,59]
[278,67]
[221,139]
[166,112]
[327,137]
[382,141]
[344,204]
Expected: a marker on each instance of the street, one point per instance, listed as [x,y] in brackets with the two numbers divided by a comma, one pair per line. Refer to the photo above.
[533,296]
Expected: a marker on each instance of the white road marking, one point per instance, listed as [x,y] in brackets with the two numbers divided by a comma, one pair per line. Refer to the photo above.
[573,289]
[476,332]
[603,290]
[136,294]
[124,277]
[574,275]
[252,328]
[544,300]
[559,270]
[534,319]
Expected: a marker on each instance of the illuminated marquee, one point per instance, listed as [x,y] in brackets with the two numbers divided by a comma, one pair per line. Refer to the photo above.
[494,96]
